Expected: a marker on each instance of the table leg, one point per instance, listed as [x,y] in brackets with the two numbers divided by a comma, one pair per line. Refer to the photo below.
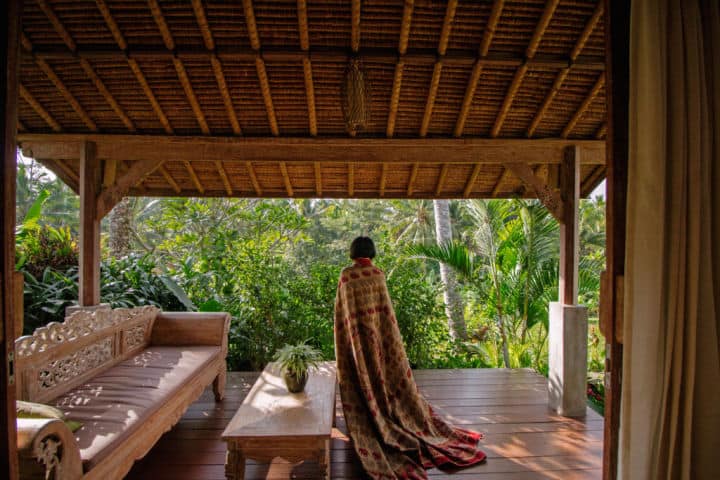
[324,460]
[234,465]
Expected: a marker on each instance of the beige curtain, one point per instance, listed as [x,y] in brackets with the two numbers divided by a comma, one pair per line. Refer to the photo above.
[670,422]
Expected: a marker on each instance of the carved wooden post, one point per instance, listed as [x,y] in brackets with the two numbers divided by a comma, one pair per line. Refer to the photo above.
[568,321]
[90,185]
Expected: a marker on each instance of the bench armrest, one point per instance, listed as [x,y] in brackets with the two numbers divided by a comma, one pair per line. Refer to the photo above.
[47,446]
[191,328]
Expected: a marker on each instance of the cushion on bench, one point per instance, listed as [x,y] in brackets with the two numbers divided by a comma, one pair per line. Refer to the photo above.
[116,402]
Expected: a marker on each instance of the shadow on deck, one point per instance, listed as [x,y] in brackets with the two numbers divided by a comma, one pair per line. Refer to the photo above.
[523,439]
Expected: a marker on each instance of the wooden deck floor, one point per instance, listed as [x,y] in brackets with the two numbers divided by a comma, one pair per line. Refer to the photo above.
[523,439]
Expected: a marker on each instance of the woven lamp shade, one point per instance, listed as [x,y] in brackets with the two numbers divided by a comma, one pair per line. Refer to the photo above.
[356,98]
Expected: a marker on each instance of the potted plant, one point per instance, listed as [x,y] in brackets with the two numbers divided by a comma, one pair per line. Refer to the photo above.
[294,362]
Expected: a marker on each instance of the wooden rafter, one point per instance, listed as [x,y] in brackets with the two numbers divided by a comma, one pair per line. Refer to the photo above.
[413,176]
[351,179]
[563,73]
[169,179]
[286,179]
[253,178]
[90,72]
[318,179]
[437,69]
[355,21]
[542,25]
[383,179]
[39,109]
[193,176]
[57,24]
[21,126]
[64,173]
[132,63]
[109,172]
[602,131]
[499,183]
[441,179]
[307,65]
[135,175]
[546,194]
[179,66]
[599,84]
[399,66]
[471,181]
[478,67]
[69,97]
[216,65]
[224,177]
[251,25]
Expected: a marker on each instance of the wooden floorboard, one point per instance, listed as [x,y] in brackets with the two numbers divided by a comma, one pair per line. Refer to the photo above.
[523,439]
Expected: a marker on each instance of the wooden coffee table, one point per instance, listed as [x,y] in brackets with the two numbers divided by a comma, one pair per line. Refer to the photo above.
[271,422]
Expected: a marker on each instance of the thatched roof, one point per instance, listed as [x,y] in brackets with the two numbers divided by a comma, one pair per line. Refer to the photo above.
[458,90]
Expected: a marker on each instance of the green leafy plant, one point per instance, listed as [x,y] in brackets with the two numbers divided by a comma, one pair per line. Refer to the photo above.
[294,362]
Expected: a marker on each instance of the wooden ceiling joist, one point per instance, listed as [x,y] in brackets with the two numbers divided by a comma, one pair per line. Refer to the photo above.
[135,175]
[193,177]
[251,24]
[599,84]
[161,24]
[413,176]
[203,24]
[307,66]
[399,66]
[563,73]
[39,109]
[224,177]
[441,179]
[355,28]
[478,67]
[500,183]
[286,179]
[471,181]
[90,72]
[69,97]
[168,178]
[549,197]
[540,28]
[190,94]
[57,24]
[253,178]
[111,24]
[64,173]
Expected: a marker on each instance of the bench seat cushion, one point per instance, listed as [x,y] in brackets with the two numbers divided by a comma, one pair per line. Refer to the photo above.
[116,402]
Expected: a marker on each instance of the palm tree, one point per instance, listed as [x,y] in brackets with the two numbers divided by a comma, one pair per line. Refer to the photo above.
[453,301]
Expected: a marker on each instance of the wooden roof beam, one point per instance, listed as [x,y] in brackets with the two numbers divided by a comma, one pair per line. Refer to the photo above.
[602,131]
[546,194]
[471,181]
[224,177]
[21,126]
[355,21]
[253,178]
[599,84]
[413,176]
[286,179]
[57,24]
[216,65]
[498,185]
[69,97]
[169,179]
[309,150]
[540,28]
[193,176]
[441,179]
[110,196]
[132,63]
[562,74]
[399,66]
[488,34]
[307,65]
[39,109]
[63,172]
[437,69]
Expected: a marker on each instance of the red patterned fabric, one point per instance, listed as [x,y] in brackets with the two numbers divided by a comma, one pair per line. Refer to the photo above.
[395,432]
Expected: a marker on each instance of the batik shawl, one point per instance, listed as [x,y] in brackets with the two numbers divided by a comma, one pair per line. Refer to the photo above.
[395,432]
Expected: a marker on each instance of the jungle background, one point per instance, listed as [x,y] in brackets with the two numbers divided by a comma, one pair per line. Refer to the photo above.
[274,265]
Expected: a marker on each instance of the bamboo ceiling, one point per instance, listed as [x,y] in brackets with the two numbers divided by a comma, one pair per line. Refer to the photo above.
[222,98]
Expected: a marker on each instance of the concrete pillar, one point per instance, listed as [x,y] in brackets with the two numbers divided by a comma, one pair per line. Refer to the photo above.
[568,359]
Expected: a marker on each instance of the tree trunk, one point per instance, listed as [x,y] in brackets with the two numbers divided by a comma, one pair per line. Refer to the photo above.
[121,223]
[453,302]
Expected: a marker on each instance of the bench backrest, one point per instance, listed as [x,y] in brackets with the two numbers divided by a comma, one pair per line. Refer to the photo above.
[60,356]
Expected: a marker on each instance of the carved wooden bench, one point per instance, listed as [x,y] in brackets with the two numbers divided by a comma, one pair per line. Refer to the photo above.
[271,422]
[127,375]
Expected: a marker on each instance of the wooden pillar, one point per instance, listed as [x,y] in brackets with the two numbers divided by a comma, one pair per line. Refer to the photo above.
[569,233]
[9,50]
[90,187]
[617,61]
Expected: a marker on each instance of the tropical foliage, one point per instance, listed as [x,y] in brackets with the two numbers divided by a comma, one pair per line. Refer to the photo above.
[274,264]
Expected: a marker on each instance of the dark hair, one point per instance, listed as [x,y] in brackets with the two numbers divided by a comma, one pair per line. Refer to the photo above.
[362,247]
